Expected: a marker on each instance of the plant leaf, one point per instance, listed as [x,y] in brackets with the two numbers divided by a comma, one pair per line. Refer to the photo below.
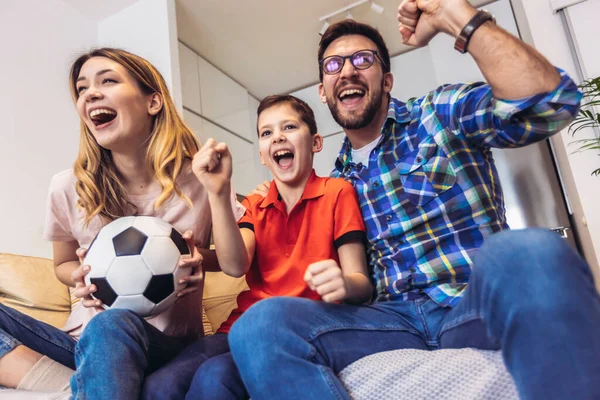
[588,117]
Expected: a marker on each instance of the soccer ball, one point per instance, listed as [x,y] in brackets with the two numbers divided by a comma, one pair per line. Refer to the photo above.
[133,263]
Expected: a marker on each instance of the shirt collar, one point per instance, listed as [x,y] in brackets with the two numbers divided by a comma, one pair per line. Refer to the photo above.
[315,187]
[398,112]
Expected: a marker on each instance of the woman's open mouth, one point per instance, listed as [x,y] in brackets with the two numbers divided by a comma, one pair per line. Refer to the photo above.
[101,117]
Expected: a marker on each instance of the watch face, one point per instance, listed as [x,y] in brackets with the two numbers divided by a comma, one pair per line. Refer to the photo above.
[460,44]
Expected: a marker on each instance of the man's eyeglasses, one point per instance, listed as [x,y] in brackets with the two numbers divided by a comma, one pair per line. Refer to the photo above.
[362,59]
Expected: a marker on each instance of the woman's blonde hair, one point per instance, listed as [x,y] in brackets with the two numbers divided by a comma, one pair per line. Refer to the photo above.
[171,143]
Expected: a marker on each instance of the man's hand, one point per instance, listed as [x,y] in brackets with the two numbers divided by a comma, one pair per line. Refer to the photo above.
[326,278]
[212,166]
[420,20]
[262,189]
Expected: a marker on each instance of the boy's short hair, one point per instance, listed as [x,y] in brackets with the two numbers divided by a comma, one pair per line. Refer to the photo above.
[351,27]
[304,111]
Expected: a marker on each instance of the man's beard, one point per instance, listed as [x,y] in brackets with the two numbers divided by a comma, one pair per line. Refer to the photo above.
[360,119]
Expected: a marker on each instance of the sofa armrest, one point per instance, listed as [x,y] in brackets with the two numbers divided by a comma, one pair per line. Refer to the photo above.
[29,285]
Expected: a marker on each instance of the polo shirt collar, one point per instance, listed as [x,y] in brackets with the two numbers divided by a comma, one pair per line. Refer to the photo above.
[315,187]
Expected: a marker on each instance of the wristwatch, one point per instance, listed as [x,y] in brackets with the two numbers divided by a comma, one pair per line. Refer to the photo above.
[462,41]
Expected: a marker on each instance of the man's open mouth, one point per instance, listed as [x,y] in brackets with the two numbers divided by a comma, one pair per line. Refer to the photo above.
[283,158]
[101,116]
[351,96]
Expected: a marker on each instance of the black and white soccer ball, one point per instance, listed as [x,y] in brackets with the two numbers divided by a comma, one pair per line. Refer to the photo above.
[133,263]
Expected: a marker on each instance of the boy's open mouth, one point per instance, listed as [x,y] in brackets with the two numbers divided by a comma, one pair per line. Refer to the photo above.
[101,116]
[351,96]
[283,158]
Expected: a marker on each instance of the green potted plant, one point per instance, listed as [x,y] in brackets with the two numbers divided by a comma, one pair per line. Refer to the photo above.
[588,117]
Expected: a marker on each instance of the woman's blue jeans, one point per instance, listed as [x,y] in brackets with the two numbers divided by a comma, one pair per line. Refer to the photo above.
[121,356]
[17,328]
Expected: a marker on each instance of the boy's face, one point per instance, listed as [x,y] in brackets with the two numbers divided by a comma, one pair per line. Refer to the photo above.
[286,145]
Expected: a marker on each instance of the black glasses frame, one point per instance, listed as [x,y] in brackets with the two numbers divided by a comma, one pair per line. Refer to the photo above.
[351,58]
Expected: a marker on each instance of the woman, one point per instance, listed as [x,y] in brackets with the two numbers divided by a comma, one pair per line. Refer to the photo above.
[134,158]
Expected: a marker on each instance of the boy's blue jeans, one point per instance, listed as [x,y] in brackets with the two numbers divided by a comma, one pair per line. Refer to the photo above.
[217,379]
[529,294]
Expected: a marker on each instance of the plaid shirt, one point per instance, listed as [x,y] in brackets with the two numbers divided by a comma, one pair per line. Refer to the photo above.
[431,194]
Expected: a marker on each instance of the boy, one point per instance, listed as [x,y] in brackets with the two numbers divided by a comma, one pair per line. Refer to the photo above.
[304,239]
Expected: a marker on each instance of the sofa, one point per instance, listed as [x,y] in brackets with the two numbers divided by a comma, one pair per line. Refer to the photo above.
[29,285]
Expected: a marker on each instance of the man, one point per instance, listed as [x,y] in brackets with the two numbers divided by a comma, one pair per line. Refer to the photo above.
[430,196]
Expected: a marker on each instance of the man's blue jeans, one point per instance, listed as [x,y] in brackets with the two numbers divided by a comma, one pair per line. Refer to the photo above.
[529,294]
[17,328]
[119,355]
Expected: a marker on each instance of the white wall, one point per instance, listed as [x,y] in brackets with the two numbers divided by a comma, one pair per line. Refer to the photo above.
[262,173]
[39,133]
[452,66]
[414,74]
[147,28]
[325,122]
[216,106]
[584,29]
[325,160]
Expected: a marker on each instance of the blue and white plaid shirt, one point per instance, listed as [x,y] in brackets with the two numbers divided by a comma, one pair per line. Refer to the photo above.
[431,194]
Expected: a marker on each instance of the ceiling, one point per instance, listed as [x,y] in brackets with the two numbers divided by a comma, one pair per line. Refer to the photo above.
[270,46]
[267,46]
[97,10]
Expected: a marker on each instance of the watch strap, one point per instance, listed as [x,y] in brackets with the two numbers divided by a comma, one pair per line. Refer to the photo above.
[462,41]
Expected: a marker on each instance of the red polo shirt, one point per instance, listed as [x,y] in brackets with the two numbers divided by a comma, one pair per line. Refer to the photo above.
[326,217]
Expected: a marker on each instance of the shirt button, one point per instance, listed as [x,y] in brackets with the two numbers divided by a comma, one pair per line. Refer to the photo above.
[419,159]
[376,184]
[388,217]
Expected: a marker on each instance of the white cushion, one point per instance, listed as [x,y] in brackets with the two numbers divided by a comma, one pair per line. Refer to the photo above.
[449,374]
[14,394]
